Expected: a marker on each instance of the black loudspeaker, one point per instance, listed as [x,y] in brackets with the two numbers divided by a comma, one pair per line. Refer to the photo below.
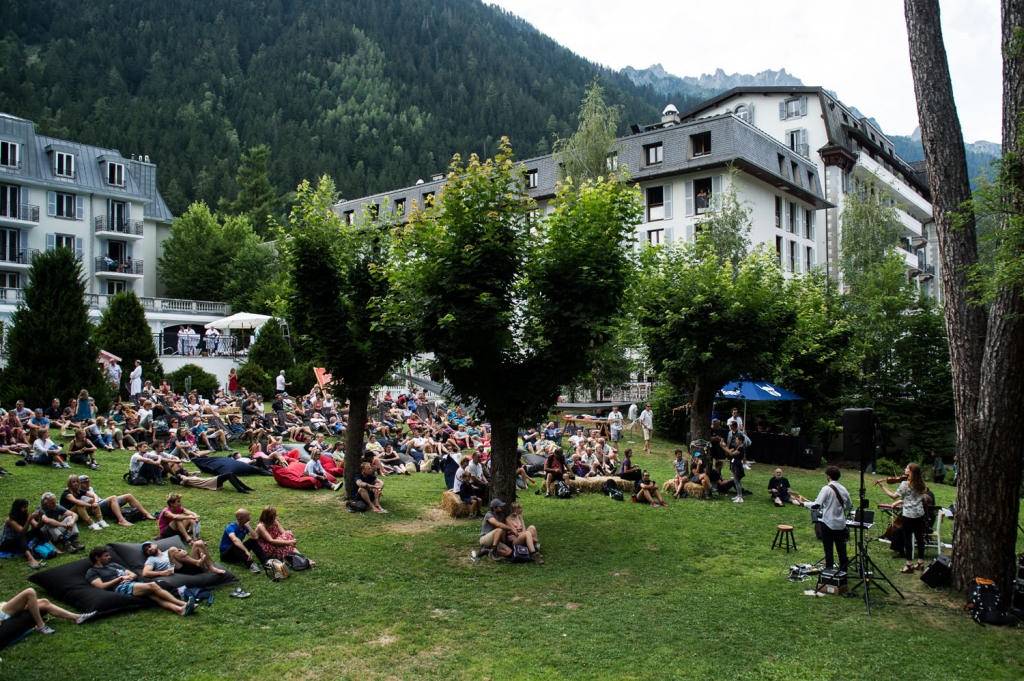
[938,573]
[858,434]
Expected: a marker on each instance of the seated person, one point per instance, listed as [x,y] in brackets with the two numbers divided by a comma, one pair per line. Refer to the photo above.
[577,467]
[681,473]
[369,487]
[523,535]
[494,531]
[479,482]
[553,433]
[112,505]
[648,492]
[628,471]
[57,523]
[36,424]
[27,601]
[19,527]
[464,492]
[717,482]
[778,487]
[85,506]
[130,434]
[80,450]
[115,577]
[45,451]
[235,548]
[164,563]
[99,434]
[275,541]
[146,464]
[392,462]
[175,519]
[202,434]
[314,469]
[555,469]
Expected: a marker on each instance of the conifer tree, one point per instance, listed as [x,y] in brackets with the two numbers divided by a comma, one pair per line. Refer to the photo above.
[271,351]
[50,348]
[123,331]
[256,198]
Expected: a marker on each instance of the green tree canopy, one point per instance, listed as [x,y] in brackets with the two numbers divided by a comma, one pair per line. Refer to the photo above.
[123,331]
[49,345]
[586,155]
[271,351]
[510,304]
[257,199]
[340,297]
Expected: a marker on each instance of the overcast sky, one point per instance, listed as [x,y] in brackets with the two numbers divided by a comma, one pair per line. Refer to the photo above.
[858,48]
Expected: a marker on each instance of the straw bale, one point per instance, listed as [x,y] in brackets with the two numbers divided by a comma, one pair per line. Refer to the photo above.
[453,506]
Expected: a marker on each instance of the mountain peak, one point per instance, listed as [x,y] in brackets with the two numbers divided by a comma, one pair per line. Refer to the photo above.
[668,84]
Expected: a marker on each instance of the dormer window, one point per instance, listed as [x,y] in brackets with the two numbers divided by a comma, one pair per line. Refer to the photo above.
[701,144]
[612,162]
[531,179]
[9,154]
[400,207]
[654,154]
[115,174]
[63,164]
[742,112]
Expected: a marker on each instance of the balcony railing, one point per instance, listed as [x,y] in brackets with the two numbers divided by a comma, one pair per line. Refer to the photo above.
[927,272]
[22,257]
[206,308]
[20,211]
[109,223]
[196,345]
[126,266]
[803,149]
[11,295]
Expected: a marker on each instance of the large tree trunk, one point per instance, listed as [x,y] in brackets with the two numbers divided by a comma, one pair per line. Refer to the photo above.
[702,403]
[986,350]
[504,458]
[358,404]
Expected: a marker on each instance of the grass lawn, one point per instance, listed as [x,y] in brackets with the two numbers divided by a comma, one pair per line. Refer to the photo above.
[627,591]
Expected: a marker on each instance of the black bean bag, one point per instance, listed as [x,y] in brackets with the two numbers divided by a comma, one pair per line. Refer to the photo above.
[67,583]
[13,629]
[534,460]
[218,465]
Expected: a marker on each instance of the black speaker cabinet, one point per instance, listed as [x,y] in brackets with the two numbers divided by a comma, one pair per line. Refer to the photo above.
[858,434]
[938,573]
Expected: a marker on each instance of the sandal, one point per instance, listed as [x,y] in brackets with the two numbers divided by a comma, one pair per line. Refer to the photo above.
[907,569]
[919,566]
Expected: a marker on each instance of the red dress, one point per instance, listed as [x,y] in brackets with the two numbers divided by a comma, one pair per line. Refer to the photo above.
[275,550]
[233,382]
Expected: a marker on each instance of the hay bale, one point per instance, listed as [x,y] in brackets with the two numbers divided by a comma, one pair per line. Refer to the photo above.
[595,485]
[453,506]
[669,486]
[694,490]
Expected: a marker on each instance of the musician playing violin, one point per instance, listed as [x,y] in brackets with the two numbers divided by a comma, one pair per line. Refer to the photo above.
[913,499]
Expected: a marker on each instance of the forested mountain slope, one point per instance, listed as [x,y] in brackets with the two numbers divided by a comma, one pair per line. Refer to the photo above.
[377,93]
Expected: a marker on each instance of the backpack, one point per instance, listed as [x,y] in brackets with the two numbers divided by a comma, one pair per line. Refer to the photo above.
[199,593]
[276,570]
[297,562]
[562,490]
[134,479]
[357,506]
[986,604]
[133,515]
[44,551]
[520,554]
[612,490]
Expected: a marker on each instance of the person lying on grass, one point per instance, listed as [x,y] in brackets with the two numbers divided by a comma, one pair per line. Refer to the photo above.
[175,519]
[523,535]
[27,601]
[165,563]
[110,576]
[112,505]
[648,492]
[495,529]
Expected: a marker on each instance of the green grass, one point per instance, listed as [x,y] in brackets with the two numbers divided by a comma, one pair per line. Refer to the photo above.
[627,591]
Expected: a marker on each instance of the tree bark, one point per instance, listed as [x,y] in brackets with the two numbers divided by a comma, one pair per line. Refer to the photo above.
[701,405]
[358,406]
[504,458]
[986,349]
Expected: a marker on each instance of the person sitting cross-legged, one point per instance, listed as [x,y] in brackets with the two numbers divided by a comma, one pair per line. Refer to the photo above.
[165,563]
[237,544]
[110,576]
[648,492]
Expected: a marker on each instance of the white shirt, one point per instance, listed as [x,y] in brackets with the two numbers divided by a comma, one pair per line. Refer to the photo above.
[114,371]
[647,418]
[738,420]
[833,508]
[280,383]
[615,420]
[475,470]
[136,377]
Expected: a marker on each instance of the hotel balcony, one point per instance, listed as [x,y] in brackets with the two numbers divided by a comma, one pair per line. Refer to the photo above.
[109,227]
[913,203]
[19,214]
[107,267]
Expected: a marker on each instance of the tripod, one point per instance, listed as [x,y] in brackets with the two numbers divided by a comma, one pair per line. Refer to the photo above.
[868,572]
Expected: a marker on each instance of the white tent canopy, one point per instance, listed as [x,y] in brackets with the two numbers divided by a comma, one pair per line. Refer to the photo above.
[240,320]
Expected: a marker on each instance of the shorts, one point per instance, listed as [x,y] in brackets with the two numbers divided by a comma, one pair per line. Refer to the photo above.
[466,499]
[106,510]
[126,589]
[488,539]
[616,435]
[647,432]
[555,477]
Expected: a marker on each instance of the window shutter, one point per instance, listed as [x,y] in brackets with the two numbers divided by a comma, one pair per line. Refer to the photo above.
[668,235]
[79,207]
[688,194]
[716,190]
[810,257]
[51,203]
[127,210]
[689,232]
[782,110]
[750,114]
[797,214]
[14,151]
[786,208]
[803,136]
[51,241]
[79,250]
[667,198]
[803,106]
[71,165]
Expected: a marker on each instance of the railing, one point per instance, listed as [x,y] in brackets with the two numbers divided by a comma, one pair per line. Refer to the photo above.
[196,345]
[927,272]
[109,223]
[11,295]
[22,257]
[803,149]
[20,211]
[126,266]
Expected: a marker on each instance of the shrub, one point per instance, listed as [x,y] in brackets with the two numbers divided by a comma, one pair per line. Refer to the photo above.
[302,378]
[253,378]
[271,350]
[204,383]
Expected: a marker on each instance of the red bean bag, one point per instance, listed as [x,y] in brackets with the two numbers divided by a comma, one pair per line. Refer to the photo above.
[291,476]
[332,468]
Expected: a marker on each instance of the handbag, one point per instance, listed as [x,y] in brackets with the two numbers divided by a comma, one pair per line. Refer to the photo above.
[520,554]
[297,562]
[276,570]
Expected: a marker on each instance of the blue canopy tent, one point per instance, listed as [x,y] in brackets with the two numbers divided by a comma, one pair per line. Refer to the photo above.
[755,391]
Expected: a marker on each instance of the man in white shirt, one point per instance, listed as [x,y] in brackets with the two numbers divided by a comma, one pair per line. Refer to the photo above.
[615,424]
[163,564]
[478,478]
[735,418]
[834,502]
[647,426]
[314,469]
[282,385]
[114,376]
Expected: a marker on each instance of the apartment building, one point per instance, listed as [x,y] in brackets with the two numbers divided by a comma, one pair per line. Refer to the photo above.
[851,155]
[60,194]
[683,169]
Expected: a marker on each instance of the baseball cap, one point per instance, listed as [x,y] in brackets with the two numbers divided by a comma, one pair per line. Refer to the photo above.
[495,503]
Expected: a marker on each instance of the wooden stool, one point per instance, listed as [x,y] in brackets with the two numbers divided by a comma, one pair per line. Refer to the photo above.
[783,535]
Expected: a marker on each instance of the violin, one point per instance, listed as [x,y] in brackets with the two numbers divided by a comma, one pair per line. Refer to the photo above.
[892,480]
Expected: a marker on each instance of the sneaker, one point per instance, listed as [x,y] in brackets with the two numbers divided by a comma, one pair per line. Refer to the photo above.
[70,548]
[254,568]
[79,546]
[66,465]
[739,500]
[45,630]
[94,465]
[57,465]
[746,465]
[94,526]
[474,557]
[103,523]
[85,617]
[190,606]
[336,486]
[493,555]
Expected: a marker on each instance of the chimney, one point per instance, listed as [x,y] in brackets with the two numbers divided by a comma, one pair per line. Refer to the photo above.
[670,116]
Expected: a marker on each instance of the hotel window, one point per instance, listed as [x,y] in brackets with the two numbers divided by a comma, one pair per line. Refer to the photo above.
[531,179]
[400,207]
[114,286]
[428,199]
[700,144]
[115,174]
[10,240]
[374,210]
[659,203]
[794,259]
[63,164]
[796,173]
[654,154]
[703,195]
[809,224]
[743,113]
[778,249]
[612,162]
[9,154]
[792,108]
[350,217]
[808,259]
[655,237]
[797,141]
[778,212]
[65,206]
[10,280]
[794,217]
